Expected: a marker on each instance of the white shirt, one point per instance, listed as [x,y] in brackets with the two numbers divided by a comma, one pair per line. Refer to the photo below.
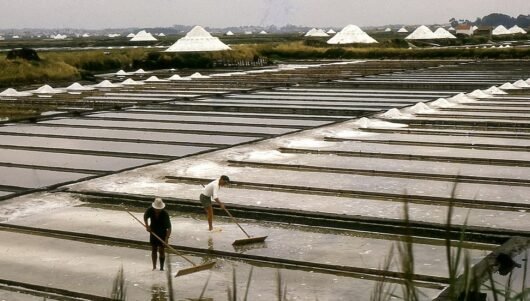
[212,189]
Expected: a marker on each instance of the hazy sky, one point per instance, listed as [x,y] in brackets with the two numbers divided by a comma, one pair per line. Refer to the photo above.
[97,14]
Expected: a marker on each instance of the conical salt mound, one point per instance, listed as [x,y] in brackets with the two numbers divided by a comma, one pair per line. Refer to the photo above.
[141,71]
[143,36]
[421,33]
[388,29]
[198,39]
[316,33]
[331,31]
[229,33]
[121,73]
[500,30]
[198,75]
[517,30]
[402,30]
[46,89]
[521,84]
[131,82]
[10,92]
[441,33]
[78,87]
[131,35]
[493,90]
[478,94]
[154,79]
[351,34]
[418,108]
[441,103]
[107,84]
[508,86]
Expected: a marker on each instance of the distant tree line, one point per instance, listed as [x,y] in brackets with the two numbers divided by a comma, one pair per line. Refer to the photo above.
[496,19]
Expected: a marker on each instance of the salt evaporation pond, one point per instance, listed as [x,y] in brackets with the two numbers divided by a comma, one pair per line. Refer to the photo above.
[73,161]
[34,178]
[209,119]
[171,126]
[125,134]
[101,146]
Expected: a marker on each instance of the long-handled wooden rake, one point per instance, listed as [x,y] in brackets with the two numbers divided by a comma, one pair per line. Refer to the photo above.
[249,239]
[182,272]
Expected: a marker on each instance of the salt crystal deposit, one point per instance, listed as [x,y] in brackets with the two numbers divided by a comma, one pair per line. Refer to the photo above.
[478,94]
[198,39]
[517,30]
[107,84]
[10,92]
[155,79]
[393,113]
[402,30]
[441,33]
[141,71]
[331,31]
[78,87]
[197,75]
[229,33]
[143,36]
[460,98]
[441,103]
[493,90]
[313,32]
[418,108]
[421,33]
[351,34]
[508,86]
[131,82]
[47,89]
[521,84]
[500,30]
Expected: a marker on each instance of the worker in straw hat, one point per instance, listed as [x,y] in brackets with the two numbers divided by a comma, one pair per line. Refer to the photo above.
[210,192]
[160,225]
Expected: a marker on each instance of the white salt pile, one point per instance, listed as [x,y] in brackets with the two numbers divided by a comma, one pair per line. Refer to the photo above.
[478,94]
[364,123]
[402,30]
[516,30]
[331,31]
[392,114]
[122,73]
[229,33]
[143,36]
[131,82]
[521,84]
[313,32]
[441,33]
[154,78]
[441,103]
[460,98]
[198,39]
[107,84]
[10,92]
[421,33]
[78,87]
[351,34]
[493,90]
[141,71]
[197,75]
[508,86]
[418,108]
[47,89]
[500,30]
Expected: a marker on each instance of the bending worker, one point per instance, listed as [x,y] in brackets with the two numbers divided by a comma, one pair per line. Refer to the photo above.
[159,225]
[210,192]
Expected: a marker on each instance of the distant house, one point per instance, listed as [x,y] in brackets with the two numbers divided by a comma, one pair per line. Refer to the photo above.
[466,29]
[484,30]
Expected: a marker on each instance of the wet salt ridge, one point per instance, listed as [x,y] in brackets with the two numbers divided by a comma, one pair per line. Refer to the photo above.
[322,160]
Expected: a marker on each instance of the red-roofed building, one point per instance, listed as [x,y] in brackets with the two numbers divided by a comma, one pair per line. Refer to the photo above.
[466,29]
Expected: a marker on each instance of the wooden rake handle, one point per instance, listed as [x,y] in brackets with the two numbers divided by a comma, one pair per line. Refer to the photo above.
[161,240]
[235,221]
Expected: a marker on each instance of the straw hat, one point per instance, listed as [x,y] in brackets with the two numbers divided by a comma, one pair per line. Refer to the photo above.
[158,204]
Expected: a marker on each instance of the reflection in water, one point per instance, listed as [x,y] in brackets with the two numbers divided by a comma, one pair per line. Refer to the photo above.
[158,293]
